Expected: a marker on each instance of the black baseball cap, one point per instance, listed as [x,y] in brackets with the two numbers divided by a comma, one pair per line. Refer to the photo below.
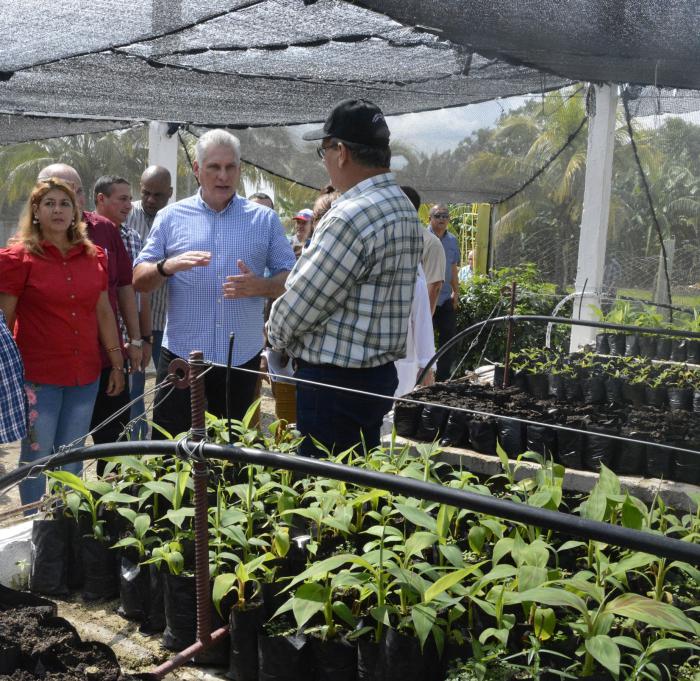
[354,120]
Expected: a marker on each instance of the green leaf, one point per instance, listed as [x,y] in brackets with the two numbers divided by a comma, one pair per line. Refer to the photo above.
[141,524]
[608,482]
[594,507]
[165,489]
[343,613]
[477,538]
[418,517]
[177,516]
[308,600]
[670,644]
[417,543]
[447,581]
[503,547]
[452,554]
[551,597]
[423,618]
[444,518]
[654,613]
[545,622]
[117,497]
[222,585]
[632,516]
[127,513]
[605,652]
[531,576]
[70,480]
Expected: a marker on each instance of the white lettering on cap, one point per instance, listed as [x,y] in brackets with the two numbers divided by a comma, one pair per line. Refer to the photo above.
[377,117]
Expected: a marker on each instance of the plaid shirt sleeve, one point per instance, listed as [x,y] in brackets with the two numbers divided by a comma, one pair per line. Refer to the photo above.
[13,404]
[319,284]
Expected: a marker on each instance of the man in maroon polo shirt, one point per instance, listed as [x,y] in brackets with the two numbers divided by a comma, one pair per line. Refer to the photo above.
[121,297]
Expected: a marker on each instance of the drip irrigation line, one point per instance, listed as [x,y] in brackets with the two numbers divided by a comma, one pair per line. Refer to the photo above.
[475,412]
[647,191]
[499,304]
[648,542]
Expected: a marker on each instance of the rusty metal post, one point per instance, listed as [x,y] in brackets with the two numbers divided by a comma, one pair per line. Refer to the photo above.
[200,471]
[509,338]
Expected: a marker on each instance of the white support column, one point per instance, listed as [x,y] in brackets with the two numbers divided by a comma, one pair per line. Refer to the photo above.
[596,210]
[162,150]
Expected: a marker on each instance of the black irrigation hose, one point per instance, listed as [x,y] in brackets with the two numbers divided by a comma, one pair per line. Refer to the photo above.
[229,362]
[676,333]
[570,525]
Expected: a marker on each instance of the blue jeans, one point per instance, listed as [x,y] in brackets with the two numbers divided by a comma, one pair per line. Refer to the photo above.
[157,345]
[338,419]
[138,383]
[58,415]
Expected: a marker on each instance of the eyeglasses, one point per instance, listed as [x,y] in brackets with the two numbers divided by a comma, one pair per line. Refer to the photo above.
[441,216]
[321,150]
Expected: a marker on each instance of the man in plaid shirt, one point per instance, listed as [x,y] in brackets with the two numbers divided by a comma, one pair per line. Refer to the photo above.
[13,401]
[344,314]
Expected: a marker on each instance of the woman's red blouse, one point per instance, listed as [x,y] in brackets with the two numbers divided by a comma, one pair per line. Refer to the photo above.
[56,316]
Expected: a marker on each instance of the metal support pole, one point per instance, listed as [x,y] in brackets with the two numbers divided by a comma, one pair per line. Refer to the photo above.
[200,471]
[509,338]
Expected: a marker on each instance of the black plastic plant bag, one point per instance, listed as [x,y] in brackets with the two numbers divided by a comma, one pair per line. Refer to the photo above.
[134,587]
[647,346]
[678,350]
[659,462]
[570,446]
[9,656]
[49,550]
[696,401]
[244,624]
[406,416]
[663,348]
[402,658]
[686,467]
[369,659]
[538,386]
[283,658]
[101,570]
[634,393]
[76,573]
[542,439]
[631,456]
[656,397]
[614,390]
[602,346]
[336,659]
[61,658]
[180,604]
[456,432]
[593,390]
[482,435]
[510,437]
[557,387]
[617,342]
[431,423]
[692,352]
[680,399]
[631,345]
[599,449]
[154,614]
[572,387]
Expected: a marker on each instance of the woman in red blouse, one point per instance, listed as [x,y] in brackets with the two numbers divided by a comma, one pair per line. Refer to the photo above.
[53,290]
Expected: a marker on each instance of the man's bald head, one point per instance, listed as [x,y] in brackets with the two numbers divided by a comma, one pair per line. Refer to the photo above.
[68,174]
[156,189]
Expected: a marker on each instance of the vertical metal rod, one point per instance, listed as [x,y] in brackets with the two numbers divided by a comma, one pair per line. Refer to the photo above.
[200,475]
[509,338]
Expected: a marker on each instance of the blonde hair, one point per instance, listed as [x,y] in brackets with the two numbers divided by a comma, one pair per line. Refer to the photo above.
[29,232]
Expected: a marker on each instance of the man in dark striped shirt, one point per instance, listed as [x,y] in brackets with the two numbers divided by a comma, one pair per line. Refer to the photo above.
[344,314]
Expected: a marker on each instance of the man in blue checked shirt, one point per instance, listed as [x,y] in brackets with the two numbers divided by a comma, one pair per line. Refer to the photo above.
[211,250]
[13,401]
[344,314]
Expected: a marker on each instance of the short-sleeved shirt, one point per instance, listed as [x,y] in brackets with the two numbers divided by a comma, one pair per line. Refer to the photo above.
[433,259]
[349,296]
[199,317]
[13,401]
[56,315]
[142,222]
[451,248]
[104,234]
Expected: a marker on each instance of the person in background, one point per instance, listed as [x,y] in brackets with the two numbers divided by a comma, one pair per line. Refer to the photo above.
[13,399]
[122,299]
[344,314]
[433,258]
[302,230]
[194,246]
[467,272]
[156,191]
[263,199]
[445,315]
[113,201]
[420,340]
[53,291]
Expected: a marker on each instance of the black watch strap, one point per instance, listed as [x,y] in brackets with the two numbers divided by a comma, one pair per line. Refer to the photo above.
[161,271]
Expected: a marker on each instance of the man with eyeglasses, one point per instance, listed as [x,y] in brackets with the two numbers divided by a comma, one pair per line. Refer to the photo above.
[344,314]
[445,315]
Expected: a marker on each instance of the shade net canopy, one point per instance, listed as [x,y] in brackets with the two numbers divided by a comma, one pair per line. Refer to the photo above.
[443,71]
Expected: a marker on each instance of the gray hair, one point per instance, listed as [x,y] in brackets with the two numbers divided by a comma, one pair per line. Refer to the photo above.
[217,138]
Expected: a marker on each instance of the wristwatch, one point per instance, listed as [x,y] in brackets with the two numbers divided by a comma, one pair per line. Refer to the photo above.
[161,271]
[136,342]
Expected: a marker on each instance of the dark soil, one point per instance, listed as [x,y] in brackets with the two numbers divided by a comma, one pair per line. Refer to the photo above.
[653,425]
[48,647]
